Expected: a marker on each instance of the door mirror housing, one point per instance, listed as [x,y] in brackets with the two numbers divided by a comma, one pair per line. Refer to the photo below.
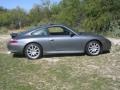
[72,34]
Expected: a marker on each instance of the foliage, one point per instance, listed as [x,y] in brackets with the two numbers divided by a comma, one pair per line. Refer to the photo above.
[14,18]
[100,13]
[70,11]
[90,15]
[35,14]
[18,17]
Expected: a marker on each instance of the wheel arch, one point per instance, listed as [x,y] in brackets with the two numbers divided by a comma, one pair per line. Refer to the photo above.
[101,45]
[31,43]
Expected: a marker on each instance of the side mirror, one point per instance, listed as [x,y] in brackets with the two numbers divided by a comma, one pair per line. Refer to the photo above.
[72,34]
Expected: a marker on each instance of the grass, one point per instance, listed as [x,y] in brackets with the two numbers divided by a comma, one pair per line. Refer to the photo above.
[61,73]
[3,30]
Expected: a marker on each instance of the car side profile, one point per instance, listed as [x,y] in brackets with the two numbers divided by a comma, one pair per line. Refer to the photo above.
[56,39]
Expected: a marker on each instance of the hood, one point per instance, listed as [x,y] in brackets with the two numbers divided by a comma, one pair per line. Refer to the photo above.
[89,34]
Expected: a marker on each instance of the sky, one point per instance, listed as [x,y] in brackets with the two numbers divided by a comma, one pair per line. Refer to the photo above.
[26,4]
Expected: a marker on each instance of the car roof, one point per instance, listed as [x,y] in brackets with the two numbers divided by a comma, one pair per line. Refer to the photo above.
[44,26]
[47,26]
[52,25]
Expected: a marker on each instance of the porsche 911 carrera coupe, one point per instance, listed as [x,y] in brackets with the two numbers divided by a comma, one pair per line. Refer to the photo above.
[56,39]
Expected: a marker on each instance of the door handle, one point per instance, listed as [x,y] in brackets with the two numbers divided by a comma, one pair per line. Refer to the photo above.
[51,39]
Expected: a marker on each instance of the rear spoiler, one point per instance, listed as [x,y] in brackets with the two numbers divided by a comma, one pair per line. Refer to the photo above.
[13,35]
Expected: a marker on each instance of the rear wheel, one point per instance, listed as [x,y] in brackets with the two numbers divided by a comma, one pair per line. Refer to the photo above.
[33,51]
[93,48]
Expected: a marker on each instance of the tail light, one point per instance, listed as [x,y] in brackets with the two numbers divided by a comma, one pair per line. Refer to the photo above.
[13,41]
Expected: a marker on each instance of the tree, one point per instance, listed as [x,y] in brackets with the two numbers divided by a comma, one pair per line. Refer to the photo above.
[18,17]
[4,17]
[36,14]
[70,11]
[55,10]
[100,13]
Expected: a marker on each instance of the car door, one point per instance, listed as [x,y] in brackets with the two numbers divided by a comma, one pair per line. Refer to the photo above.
[62,40]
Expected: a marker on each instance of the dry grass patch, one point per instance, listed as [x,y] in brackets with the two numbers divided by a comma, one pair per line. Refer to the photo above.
[63,73]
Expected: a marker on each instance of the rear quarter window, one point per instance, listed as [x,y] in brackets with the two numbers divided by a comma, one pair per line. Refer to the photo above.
[39,32]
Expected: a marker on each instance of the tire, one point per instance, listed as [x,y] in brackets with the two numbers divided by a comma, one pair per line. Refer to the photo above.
[33,51]
[93,48]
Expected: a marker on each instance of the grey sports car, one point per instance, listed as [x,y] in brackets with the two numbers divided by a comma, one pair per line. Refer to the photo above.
[56,39]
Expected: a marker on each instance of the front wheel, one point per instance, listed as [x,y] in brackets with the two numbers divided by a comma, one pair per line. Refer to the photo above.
[33,51]
[93,48]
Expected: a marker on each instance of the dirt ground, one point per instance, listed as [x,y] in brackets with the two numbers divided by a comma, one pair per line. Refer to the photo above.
[5,38]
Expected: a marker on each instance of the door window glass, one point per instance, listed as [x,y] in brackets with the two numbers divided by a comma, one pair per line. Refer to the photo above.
[58,31]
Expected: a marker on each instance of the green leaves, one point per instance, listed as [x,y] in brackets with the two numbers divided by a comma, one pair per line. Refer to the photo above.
[91,15]
[70,11]
[12,17]
[99,14]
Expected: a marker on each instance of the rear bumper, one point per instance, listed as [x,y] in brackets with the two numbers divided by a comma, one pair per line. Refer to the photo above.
[14,48]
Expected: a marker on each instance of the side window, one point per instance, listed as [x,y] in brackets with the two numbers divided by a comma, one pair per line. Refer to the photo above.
[58,31]
[40,32]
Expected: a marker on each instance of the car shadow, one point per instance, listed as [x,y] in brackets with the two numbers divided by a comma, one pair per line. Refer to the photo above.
[18,56]
[51,56]
[63,55]
[58,55]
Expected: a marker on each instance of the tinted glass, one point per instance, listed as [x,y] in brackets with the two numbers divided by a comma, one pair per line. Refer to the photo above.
[39,32]
[58,31]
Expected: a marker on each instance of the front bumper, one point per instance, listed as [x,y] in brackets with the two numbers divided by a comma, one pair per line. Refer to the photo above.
[106,45]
